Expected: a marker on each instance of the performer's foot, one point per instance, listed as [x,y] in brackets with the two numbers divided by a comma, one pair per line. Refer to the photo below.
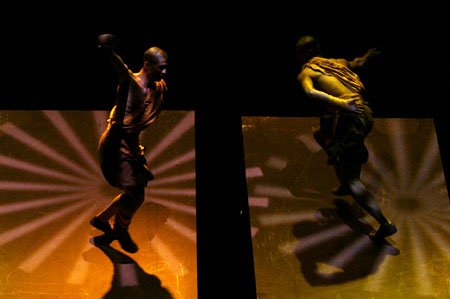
[125,241]
[101,225]
[386,230]
[341,191]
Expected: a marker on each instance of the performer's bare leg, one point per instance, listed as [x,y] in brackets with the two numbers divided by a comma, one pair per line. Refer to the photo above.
[125,204]
[128,205]
[123,207]
[348,175]
[101,220]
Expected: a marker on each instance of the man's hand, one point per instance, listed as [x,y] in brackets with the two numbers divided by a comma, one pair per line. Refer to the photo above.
[360,62]
[372,53]
[352,102]
[107,41]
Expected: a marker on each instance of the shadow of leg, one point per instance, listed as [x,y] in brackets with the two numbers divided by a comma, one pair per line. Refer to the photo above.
[129,280]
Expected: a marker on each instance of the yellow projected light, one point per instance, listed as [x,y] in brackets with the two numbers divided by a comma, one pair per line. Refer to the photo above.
[51,185]
[309,242]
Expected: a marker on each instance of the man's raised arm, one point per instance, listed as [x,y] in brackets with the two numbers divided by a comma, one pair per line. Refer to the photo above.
[359,62]
[107,43]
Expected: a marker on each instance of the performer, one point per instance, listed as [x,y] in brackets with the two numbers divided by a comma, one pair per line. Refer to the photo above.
[138,104]
[333,83]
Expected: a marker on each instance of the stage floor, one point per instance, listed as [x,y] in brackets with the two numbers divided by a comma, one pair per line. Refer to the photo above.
[308,243]
[51,185]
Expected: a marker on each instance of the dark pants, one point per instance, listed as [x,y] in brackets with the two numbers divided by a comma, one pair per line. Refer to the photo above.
[342,137]
[130,174]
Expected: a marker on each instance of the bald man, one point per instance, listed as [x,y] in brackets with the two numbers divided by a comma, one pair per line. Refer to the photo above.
[139,99]
[347,122]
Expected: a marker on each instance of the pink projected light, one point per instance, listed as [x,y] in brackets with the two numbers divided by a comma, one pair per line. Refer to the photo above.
[46,207]
[16,133]
[36,203]
[177,161]
[21,230]
[404,173]
[181,128]
[13,163]
[68,134]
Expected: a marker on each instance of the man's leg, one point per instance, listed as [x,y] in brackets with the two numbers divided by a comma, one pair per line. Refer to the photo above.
[133,199]
[109,158]
[348,175]
[344,173]
[101,221]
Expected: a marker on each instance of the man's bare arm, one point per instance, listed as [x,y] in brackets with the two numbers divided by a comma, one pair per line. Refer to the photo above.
[107,43]
[305,79]
[359,62]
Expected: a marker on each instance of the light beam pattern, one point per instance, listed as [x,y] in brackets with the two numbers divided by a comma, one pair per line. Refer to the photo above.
[51,185]
[310,238]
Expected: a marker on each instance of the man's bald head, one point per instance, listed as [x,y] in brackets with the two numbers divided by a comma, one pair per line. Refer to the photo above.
[154,54]
[307,47]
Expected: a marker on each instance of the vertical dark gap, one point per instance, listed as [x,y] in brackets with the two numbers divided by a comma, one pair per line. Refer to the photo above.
[224,248]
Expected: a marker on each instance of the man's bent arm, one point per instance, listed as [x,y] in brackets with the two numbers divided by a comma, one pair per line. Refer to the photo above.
[118,64]
[107,43]
[349,103]
[308,86]
[360,62]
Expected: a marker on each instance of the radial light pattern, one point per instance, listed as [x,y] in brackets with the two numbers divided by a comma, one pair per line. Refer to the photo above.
[318,243]
[51,185]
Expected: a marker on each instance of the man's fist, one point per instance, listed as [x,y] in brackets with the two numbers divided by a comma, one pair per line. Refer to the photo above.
[108,41]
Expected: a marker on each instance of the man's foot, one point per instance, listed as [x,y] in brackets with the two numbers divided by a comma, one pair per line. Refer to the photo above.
[125,241]
[101,225]
[341,191]
[386,230]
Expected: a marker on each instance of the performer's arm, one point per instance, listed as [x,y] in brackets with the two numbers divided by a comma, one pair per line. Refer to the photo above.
[349,102]
[360,62]
[107,43]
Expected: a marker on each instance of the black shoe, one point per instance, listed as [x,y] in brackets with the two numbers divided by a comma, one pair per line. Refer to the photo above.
[386,230]
[101,225]
[125,241]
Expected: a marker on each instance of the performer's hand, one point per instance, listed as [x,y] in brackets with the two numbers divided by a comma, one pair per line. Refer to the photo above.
[107,41]
[372,53]
[354,106]
[163,85]
[352,102]
[359,62]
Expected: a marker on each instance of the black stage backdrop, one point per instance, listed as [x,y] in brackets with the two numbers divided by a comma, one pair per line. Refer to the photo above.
[224,63]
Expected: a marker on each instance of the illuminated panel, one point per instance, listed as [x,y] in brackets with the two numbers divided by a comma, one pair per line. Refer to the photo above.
[51,186]
[305,237]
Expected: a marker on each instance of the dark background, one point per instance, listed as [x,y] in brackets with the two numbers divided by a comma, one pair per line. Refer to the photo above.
[224,62]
